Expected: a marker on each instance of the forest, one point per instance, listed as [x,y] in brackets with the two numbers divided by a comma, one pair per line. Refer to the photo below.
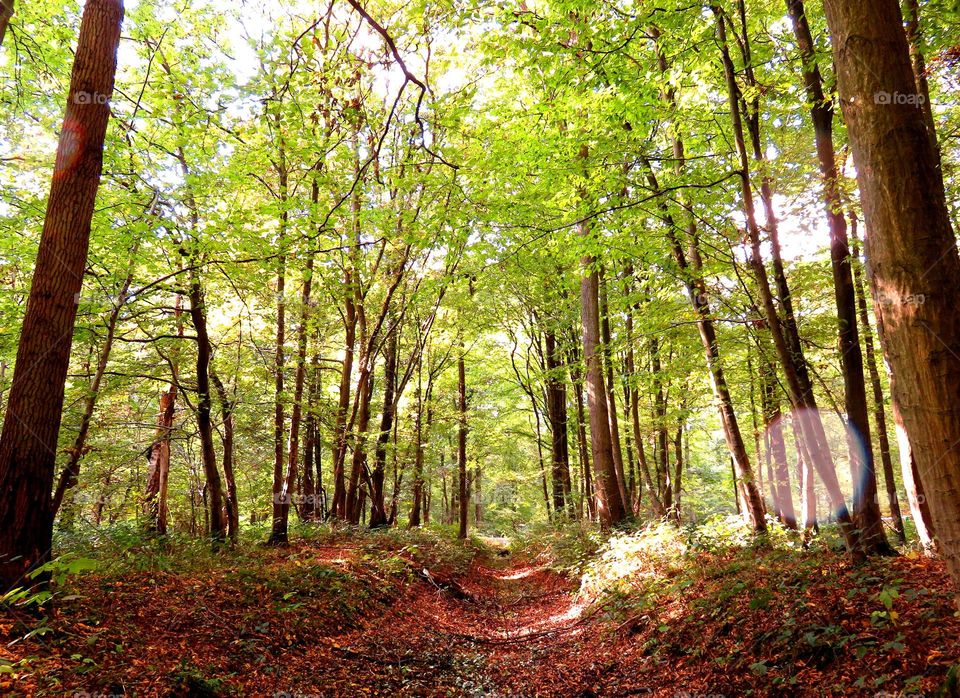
[466,348]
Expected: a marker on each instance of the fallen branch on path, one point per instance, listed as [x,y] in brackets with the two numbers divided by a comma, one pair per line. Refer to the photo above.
[446,584]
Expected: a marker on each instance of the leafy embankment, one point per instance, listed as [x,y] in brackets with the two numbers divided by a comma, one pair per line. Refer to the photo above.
[257,621]
[562,613]
[705,611]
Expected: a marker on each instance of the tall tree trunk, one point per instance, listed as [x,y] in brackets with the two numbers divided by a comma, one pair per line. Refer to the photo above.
[308,487]
[279,419]
[866,506]
[916,497]
[691,269]
[358,466]
[70,473]
[691,272]
[785,338]
[538,434]
[281,516]
[208,455]
[913,261]
[158,464]
[417,507]
[808,489]
[773,428]
[340,427]
[632,412]
[313,447]
[879,412]
[678,472]
[661,438]
[462,441]
[557,414]
[158,456]
[586,477]
[919,64]
[611,391]
[477,496]
[378,512]
[6,14]
[28,443]
[227,407]
[609,503]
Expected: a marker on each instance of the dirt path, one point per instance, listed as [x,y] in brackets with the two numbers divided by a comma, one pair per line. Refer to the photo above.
[507,627]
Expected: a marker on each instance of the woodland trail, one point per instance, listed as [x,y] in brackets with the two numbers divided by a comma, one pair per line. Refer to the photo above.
[492,626]
[508,627]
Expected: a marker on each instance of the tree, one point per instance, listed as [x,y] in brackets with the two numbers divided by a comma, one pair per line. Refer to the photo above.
[6,13]
[31,423]
[609,503]
[913,263]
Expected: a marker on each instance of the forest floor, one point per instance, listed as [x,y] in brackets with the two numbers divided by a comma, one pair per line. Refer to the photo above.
[415,614]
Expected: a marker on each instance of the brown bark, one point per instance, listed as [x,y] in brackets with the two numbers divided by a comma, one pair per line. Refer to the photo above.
[556,390]
[462,442]
[913,260]
[378,512]
[358,466]
[916,497]
[611,392]
[608,500]
[675,513]
[337,506]
[32,420]
[576,378]
[208,455]
[691,270]
[415,518]
[692,275]
[278,533]
[158,468]
[312,449]
[773,428]
[279,419]
[6,14]
[664,481]
[158,457]
[227,406]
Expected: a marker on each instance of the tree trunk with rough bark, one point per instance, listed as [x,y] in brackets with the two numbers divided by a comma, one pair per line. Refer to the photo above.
[31,423]
[378,511]
[227,408]
[6,14]
[462,442]
[586,477]
[912,252]
[279,412]
[557,414]
[217,526]
[611,392]
[609,504]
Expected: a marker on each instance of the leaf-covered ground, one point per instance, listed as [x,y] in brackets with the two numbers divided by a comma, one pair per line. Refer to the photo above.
[413,614]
